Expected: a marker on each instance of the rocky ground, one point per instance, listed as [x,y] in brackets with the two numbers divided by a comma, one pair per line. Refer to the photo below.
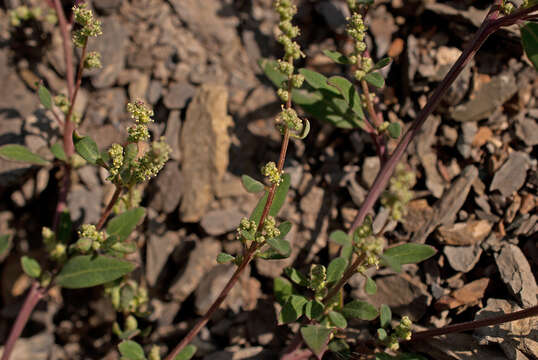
[475,161]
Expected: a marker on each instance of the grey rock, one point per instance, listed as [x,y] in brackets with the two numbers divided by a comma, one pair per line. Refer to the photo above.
[107,6]
[334,13]
[311,204]
[462,234]
[201,260]
[138,87]
[370,168]
[160,244]
[463,258]
[517,274]
[382,26]
[512,174]
[178,94]
[85,204]
[252,353]
[527,130]
[465,141]
[37,347]
[167,188]
[206,127]
[154,91]
[490,96]
[221,221]
[172,134]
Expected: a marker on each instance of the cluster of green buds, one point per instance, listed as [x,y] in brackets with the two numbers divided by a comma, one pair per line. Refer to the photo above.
[290,119]
[127,296]
[56,249]
[268,231]
[62,102]
[318,280]
[90,239]
[286,9]
[89,25]
[92,60]
[24,13]
[271,171]
[402,331]
[399,193]
[356,29]
[127,201]
[153,160]
[367,245]
[247,229]
[141,114]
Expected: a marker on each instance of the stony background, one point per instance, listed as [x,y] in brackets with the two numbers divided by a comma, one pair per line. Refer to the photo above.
[195,62]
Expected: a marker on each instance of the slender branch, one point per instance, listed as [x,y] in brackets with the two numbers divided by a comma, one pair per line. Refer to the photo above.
[369,104]
[68,52]
[35,294]
[471,325]
[109,207]
[350,271]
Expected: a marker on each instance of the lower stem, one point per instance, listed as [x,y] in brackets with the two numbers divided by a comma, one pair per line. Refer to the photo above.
[33,297]
[109,207]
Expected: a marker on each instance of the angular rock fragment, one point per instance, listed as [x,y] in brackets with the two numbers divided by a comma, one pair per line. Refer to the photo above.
[517,274]
[463,234]
[463,258]
[512,174]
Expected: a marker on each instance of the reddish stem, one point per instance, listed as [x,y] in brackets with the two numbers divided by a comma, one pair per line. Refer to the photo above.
[110,205]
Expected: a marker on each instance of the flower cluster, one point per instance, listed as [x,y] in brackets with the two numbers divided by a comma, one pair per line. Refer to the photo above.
[56,249]
[116,157]
[318,277]
[127,296]
[401,332]
[246,230]
[153,161]
[93,60]
[356,29]
[62,102]
[89,25]
[269,230]
[270,170]
[89,239]
[367,245]
[141,114]
[399,192]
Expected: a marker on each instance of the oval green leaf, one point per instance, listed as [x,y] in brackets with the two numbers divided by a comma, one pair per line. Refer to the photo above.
[382,63]
[529,40]
[336,269]
[58,151]
[394,130]
[124,224]
[44,97]
[340,237]
[375,78]
[337,319]
[30,267]
[131,350]
[4,244]
[337,57]
[293,308]
[385,315]
[224,258]
[87,148]
[313,309]
[15,152]
[87,271]
[370,287]
[410,253]
[347,90]
[278,201]
[282,288]
[252,185]
[317,338]
[187,353]
[359,309]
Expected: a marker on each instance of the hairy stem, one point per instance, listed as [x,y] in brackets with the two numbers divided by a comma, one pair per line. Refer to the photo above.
[109,206]
[35,294]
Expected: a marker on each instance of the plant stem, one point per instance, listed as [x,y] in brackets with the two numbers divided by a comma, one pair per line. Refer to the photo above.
[35,294]
[109,206]
[350,271]
[471,325]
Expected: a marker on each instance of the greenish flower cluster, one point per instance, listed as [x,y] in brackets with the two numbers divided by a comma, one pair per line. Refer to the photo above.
[287,10]
[401,332]
[399,192]
[270,170]
[127,296]
[62,102]
[152,161]
[368,245]
[269,230]
[56,250]
[356,29]
[289,118]
[116,157]
[318,277]
[127,201]
[89,25]
[89,239]
[141,114]
[24,13]
[247,230]
[93,60]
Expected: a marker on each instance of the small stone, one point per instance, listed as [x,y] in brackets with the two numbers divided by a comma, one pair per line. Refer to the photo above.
[167,188]
[469,294]
[334,14]
[527,130]
[222,221]
[463,234]
[158,249]
[370,168]
[37,347]
[418,212]
[465,141]
[512,174]
[155,90]
[517,274]
[462,258]
[178,94]
[172,134]
[84,204]
[138,87]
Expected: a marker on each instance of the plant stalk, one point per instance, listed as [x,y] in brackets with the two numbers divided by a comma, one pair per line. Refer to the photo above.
[110,205]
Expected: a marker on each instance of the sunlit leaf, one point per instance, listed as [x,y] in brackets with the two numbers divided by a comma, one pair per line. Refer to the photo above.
[15,152]
[86,271]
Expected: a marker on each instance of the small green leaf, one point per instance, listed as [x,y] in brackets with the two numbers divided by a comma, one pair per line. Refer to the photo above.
[278,201]
[337,319]
[31,267]
[15,152]
[87,148]
[410,253]
[58,151]
[4,244]
[385,316]
[293,308]
[44,97]
[370,287]
[124,224]
[282,246]
[381,334]
[131,350]
[282,288]
[392,263]
[337,57]
[224,258]
[359,309]
[336,269]
[340,237]
[313,309]
[252,185]
[87,271]
[529,40]
[347,90]
[394,130]
[270,69]
[316,80]
[296,276]
[316,337]
[375,78]
[382,63]
[187,353]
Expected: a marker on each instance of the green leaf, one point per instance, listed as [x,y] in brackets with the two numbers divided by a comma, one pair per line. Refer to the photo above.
[385,316]
[224,258]
[187,353]
[293,308]
[252,185]
[131,151]
[394,130]
[381,334]
[270,69]
[30,267]
[278,201]
[529,40]
[273,253]
[337,57]
[375,78]
[282,246]
[392,263]
[4,244]
[382,63]
[282,288]
[313,309]
[296,276]
[336,269]
[44,97]
[58,151]
[340,347]
[131,350]
[410,253]
[87,271]
[359,309]
[340,237]
[124,224]
[347,90]
[316,337]
[15,152]
[87,148]
[370,287]
[337,319]
[316,80]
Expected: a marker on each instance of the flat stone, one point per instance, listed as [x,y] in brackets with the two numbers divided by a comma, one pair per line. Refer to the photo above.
[462,258]
[206,127]
[463,234]
[178,94]
[221,221]
[311,204]
[517,274]
[172,134]
[512,174]
[469,294]
[84,204]
[167,188]
[370,168]
[527,130]
[138,87]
